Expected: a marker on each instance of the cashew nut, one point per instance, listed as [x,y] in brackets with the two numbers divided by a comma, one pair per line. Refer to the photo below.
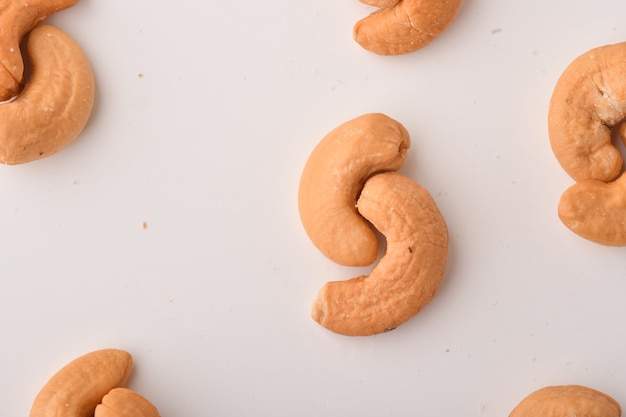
[78,387]
[122,402]
[588,101]
[596,211]
[17,17]
[565,401]
[404,26]
[333,177]
[380,3]
[55,105]
[408,275]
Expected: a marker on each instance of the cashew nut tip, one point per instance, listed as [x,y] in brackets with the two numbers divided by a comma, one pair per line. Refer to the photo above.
[55,105]
[409,274]
[122,402]
[76,389]
[596,211]
[404,26]
[333,177]
[567,400]
[588,101]
[18,17]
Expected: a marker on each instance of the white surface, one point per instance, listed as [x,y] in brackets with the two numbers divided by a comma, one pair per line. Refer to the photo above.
[213,297]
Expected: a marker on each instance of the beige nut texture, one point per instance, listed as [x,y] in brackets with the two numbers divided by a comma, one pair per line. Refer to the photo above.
[588,101]
[123,402]
[56,103]
[18,17]
[408,275]
[596,211]
[76,389]
[567,401]
[404,26]
[333,177]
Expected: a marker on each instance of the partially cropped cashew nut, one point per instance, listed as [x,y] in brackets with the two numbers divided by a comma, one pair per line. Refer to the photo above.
[76,389]
[18,17]
[92,386]
[566,401]
[333,177]
[122,402]
[596,211]
[403,26]
[55,105]
[408,275]
[587,105]
[588,101]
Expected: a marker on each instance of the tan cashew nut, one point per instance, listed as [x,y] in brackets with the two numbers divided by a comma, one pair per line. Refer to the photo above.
[588,101]
[17,17]
[55,105]
[76,389]
[565,401]
[122,402]
[408,275]
[596,211]
[404,26]
[380,3]
[333,177]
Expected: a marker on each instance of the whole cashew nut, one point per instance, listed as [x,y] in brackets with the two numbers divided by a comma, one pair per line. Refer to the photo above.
[588,101]
[333,177]
[596,211]
[76,389]
[408,275]
[18,17]
[122,402]
[55,105]
[567,400]
[404,26]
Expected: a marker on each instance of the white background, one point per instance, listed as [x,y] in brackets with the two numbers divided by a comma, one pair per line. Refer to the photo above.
[205,114]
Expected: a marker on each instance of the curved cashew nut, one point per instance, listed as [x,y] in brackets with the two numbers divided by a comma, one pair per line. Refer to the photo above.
[404,26]
[596,210]
[16,19]
[589,99]
[55,105]
[122,402]
[567,400]
[78,387]
[333,177]
[408,275]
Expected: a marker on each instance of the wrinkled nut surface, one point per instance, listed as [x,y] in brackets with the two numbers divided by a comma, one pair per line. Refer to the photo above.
[404,26]
[567,401]
[76,389]
[333,177]
[409,274]
[17,17]
[596,211]
[588,101]
[55,105]
[122,402]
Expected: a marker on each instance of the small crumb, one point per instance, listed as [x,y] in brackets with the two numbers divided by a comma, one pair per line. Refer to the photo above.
[144,225]
[140,75]
[496,30]
[447,350]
